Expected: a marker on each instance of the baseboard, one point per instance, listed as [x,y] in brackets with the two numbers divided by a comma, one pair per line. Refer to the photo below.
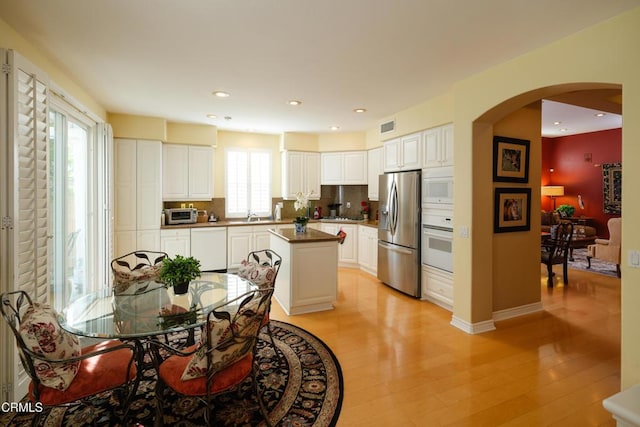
[517,311]
[473,328]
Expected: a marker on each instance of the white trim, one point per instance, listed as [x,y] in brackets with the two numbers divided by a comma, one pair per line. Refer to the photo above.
[517,311]
[473,328]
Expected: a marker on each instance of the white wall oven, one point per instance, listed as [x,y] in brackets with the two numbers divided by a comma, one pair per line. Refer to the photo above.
[437,239]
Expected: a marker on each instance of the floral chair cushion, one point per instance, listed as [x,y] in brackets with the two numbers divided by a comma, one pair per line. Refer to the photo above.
[122,279]
[228,350]
[43,335]
[261,275]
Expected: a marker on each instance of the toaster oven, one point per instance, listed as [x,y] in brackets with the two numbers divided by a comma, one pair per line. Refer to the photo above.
[181,216]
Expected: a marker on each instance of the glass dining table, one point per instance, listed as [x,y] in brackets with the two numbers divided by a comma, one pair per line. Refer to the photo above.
[148,308]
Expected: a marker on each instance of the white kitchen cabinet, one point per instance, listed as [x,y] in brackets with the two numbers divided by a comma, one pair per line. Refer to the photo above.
[300,173]
[438,147]
[437,286]
[403,153]
[137,195]
[375,167]
[368,249]
[176,242]
[209,245]
[244,239]
[348,250]
[344,168]
[187,172]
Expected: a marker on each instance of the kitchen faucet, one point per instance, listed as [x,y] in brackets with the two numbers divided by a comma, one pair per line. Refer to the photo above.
[252,215]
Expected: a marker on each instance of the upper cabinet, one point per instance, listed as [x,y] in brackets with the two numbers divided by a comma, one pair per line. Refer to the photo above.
[438,147]
[344,168]
[187,172]
[300,173]
[403,153]
[375,167]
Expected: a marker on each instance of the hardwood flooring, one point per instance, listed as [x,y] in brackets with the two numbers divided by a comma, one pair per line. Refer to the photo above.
[405,365]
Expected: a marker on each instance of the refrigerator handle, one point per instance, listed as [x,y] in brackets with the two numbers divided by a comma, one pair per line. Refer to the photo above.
[395,248]
[393,202]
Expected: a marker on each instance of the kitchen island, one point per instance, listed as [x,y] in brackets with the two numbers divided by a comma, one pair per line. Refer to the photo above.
[308,276]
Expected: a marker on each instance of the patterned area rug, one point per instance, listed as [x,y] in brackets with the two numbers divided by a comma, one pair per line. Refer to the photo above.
[580,263]
[304,387]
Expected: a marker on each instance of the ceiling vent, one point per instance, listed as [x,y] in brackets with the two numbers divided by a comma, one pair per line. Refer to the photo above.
[388,127]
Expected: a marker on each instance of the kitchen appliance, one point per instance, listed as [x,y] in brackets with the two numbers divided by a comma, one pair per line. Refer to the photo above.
[175,216]
[399,231]
[437,247]
[278,212]
[437,186]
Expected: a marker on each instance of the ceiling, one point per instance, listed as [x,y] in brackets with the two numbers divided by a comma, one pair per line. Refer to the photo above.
[164,58]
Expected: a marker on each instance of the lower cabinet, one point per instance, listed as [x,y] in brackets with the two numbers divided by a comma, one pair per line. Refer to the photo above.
[129,241]
[368,249]
[348,250]
[209,245]
[244,239]
[437,286]
[176,242]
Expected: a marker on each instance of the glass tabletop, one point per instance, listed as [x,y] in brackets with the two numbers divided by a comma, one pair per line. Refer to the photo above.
[148,308]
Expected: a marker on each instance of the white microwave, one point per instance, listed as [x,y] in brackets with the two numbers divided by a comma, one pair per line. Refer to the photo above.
[437,186]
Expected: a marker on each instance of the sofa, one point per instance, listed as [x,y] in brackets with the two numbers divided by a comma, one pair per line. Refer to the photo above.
[549,219]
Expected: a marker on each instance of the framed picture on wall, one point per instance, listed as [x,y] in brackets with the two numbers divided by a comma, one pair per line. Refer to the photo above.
[510,159]
[512,210]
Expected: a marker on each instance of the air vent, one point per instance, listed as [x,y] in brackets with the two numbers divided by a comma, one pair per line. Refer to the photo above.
[388,127]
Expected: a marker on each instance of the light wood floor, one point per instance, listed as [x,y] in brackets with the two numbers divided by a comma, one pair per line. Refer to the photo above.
[404,365]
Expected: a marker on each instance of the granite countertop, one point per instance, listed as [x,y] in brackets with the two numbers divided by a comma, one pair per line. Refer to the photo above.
[310,236]
[243,223]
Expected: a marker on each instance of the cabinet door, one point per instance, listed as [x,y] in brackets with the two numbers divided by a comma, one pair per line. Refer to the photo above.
[293,163]
[125,187]
[332,168]
[149,191]
[176,242]
[411,149]
[447,145]
[124,242]
[148,240]
[392,155]
[431,148]
[261,240]
[239,244]
[175,172]
[209,245]
[355,168]
[375,167]
[311,174]
[349,248]
[200,173]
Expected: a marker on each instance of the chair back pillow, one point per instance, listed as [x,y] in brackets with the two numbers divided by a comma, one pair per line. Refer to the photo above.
[262,275]
[123,279]
[43,335]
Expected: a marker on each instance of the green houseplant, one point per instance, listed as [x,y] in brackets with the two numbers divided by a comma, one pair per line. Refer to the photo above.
[566,210]
[179,271]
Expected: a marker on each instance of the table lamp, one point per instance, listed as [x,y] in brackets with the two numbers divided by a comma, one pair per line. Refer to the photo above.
[553,191]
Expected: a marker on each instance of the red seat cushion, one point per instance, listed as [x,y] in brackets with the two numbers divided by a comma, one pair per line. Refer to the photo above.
[96,374]
[171,373]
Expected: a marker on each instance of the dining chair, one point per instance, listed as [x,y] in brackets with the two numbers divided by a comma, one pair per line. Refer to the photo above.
[262,267]
[555,250]
[221,362]
[135,267]
[62,373]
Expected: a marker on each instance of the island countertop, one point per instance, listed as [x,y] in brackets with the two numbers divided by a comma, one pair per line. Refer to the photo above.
[289,235]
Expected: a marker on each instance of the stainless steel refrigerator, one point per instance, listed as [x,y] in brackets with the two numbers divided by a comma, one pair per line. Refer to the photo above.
[399,231]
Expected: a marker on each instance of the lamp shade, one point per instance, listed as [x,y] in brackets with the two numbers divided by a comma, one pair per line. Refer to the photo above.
[553,190]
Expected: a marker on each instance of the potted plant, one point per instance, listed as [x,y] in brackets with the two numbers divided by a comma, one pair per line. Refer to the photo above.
[179,271]
[302,204]
[566,211]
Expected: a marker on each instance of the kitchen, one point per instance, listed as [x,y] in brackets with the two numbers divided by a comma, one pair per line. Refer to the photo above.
[343,176]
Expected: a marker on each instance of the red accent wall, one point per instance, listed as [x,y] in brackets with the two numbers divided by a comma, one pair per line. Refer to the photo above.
[567,156]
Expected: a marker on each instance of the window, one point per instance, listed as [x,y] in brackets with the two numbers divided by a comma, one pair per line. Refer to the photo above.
[248,186]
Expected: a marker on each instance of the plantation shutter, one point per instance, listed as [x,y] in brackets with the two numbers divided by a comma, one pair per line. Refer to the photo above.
[25,211]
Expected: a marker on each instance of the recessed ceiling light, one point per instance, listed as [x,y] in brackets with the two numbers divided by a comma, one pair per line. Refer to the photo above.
[600,114]
[360,110]
[294,102]
[212,116]
[221,94]
[334,127]
[564,130]
[557,123]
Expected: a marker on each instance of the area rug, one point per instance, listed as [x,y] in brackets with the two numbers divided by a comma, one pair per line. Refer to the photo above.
[302,386]
[580,263]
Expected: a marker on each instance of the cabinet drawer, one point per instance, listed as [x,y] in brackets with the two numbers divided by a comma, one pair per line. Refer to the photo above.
[437,283]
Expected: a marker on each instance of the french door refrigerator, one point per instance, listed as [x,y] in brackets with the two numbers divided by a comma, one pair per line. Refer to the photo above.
[399,231]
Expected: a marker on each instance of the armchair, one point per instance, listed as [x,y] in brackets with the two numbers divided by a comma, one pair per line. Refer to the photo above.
[608,250]
[220,363]
[555,250]
[61,372]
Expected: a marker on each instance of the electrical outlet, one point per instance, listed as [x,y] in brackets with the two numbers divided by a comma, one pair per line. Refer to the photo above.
[348,205]
[634,259]
[463,231]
